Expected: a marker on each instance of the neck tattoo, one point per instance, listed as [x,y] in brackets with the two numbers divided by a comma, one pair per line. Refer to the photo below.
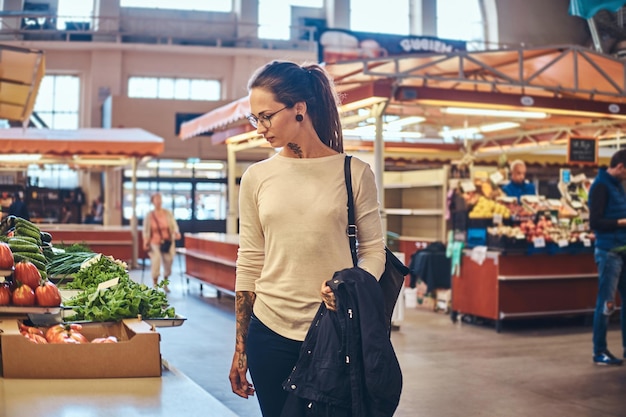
[295,148]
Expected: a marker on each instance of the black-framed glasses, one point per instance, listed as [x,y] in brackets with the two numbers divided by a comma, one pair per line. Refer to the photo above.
[265,119]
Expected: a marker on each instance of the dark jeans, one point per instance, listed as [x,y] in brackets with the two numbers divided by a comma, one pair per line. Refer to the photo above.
[611,279]
[271,357]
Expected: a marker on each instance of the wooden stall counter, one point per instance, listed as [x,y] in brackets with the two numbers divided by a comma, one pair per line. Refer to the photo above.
[211,258]
[510,286]
[116,241]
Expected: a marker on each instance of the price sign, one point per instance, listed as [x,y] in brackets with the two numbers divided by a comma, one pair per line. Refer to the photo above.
[108,284]
[539,242]
[497,219]
[582,150]
[563,243]
[586,243]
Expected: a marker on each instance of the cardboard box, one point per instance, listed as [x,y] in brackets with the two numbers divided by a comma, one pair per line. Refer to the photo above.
[137,353]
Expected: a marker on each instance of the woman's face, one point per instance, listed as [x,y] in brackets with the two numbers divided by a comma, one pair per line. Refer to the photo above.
[157,200]
[275,122]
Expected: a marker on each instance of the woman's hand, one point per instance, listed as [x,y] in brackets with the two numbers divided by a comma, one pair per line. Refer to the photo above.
[329,297]
[238,381]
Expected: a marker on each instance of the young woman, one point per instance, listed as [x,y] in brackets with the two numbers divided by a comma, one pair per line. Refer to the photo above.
[159,225]
[293,222]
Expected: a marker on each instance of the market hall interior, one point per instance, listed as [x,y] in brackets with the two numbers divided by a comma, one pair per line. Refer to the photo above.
[538,367]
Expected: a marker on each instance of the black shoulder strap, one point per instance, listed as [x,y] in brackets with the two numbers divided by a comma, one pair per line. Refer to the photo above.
[351,231]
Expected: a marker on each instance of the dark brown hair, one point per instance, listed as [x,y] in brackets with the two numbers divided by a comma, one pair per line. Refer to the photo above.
[291,83]
[617,158]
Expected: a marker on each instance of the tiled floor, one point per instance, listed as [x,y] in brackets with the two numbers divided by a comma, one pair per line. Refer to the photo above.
[530,369]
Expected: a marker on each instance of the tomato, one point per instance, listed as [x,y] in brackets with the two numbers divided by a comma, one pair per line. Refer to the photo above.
[35,338]
[6,256]
[5,295]
[30,330]
[27,273]
[110,339]
[65,333]
[23,296]
[47,295]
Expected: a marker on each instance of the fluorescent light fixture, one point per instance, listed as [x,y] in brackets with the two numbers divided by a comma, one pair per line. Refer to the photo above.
[166,164]
[369,132]
[473,131]
[400,123]
[20,157]
[515,114]
[208,166]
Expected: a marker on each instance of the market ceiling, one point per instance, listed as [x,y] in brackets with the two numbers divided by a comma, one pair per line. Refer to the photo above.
[558,92]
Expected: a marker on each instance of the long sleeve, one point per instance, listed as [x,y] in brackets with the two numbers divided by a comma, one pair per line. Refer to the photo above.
[597,203]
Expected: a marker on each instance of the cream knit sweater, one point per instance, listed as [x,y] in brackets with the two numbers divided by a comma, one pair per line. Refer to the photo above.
[292,236]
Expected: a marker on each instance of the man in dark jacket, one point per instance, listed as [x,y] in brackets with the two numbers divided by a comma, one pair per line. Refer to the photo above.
[347,365]
[607,218]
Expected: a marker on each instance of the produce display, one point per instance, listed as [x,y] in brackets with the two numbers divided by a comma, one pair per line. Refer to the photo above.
[530,225]
[60,333]
[28,261]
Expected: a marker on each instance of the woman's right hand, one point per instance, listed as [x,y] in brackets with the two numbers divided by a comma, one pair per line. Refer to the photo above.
[238,381]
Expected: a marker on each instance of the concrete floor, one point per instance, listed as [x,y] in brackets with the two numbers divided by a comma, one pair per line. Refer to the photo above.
[533,368]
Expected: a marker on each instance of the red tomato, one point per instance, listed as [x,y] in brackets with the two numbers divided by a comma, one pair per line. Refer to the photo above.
[5,295]
[27,273]
[65,333]
[47,295]
[6,256]
[23,296]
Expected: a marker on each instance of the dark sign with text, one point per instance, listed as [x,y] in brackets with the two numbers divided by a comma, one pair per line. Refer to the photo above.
[336,45]
[582,151]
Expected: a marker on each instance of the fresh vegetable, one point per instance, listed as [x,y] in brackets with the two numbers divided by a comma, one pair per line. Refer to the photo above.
[110,339]
[23,295]
[27,273]
[5,294]
[47,295]
[6,256]
[67,263]
[65,333]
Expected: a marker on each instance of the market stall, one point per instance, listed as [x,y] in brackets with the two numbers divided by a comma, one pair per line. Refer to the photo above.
[471,108]
[102,150]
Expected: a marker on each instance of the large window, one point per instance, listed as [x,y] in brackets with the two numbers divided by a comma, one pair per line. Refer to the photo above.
[73,11]
[275,17]
[461,19]
[202,5]
[372,16]
[174,88]
[58,101]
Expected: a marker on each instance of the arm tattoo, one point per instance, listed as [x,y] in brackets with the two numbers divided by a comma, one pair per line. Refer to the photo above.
[295,148]
[244,300]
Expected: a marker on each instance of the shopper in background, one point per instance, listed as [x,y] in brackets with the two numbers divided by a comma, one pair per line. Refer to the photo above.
[607,218]
[519,185]
[160,225]
[18,207]
[293,222]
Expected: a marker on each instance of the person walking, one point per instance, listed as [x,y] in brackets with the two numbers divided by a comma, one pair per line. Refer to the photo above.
[607,218]
[293,221]
[160,231]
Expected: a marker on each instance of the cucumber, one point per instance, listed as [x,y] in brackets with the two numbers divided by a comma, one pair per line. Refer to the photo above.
[24,247]
[20,222]
[22,256]
[27,239]
[24,231]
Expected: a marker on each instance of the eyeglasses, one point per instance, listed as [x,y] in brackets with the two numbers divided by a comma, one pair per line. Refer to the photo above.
[265,120]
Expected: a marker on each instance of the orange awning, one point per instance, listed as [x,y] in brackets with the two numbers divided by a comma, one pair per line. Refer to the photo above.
[104,144]
[216,119]
[21,71]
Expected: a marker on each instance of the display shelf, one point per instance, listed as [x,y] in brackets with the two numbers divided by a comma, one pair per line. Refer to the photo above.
[415,203]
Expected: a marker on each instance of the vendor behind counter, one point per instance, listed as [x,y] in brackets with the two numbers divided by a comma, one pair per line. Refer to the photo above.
[518,184]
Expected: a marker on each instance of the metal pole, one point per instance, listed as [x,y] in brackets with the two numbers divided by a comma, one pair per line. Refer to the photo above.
[594,34]
[133,217]
[231,219]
